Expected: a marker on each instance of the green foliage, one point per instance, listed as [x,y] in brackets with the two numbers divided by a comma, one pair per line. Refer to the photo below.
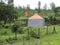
[33,34]
[7,12]
[3,33]
[38,33]
[15,29]
[54,30]
[57,11]
[28,33]
[47,30]
[51,20]
[10,40]
[20,30]
[2,42]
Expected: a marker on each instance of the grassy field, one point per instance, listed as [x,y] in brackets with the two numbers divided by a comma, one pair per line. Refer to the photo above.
[50,39]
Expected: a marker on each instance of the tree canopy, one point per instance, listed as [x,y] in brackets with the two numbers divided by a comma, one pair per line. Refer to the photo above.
[7,12]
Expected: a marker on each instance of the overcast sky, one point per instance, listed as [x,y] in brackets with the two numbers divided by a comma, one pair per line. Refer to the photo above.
[34,3]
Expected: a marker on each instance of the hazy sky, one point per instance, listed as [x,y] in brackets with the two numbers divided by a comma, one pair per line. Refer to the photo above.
[34,3]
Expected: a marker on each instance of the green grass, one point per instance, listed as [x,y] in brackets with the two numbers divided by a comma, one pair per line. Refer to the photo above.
[50,39]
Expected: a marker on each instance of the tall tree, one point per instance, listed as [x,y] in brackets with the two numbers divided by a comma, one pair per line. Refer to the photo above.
[10,2]
[7,12]
[3,0]
[39,4]
[52,6]
[28,7]
[45,7]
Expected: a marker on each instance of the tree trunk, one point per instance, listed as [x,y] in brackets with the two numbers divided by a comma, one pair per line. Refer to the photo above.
[38,32]
[4,22]
[47,30]
[16,35]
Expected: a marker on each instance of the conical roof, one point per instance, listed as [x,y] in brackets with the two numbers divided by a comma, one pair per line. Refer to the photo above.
[35,16]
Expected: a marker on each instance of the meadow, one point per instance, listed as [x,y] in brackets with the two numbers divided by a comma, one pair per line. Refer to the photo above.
[45,39]
[25,38]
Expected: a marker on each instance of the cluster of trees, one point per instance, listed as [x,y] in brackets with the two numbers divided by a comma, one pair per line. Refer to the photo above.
[38,10]
[7,12]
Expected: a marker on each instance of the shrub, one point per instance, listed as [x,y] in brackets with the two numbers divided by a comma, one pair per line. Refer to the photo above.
[10,40]
[38,33]
[3,33]
[54,30]
[15,30]
[33,34]
[1,41]
[27,37]
[28,33]
[20,30]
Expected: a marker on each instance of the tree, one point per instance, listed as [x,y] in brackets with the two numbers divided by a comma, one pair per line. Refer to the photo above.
[45,7]
[15,30]
[54,30]
[38,33]
[53,7]
[3,0]
[39,4]
[28,35]
[47,30]
[28,7]
[57,10]
[10,2]
[7,12]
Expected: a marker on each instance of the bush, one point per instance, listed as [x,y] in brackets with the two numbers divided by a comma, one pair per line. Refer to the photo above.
[1,41]
[10,40]
[3,33]
[20,30]
[27,37]
[28,33]
[33,34]
[15,30]
[54,30]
